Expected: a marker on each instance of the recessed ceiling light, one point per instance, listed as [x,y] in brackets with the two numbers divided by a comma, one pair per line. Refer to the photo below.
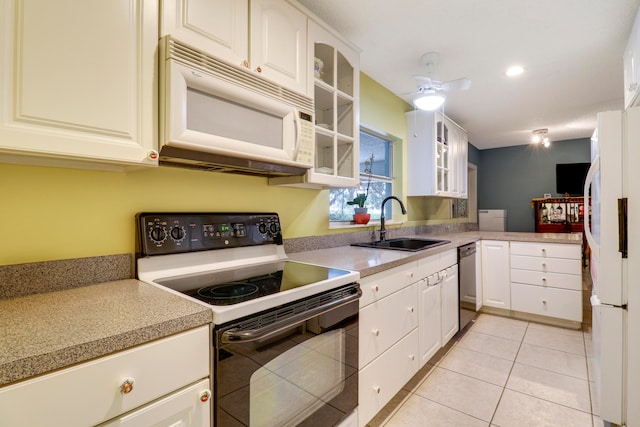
[515,70]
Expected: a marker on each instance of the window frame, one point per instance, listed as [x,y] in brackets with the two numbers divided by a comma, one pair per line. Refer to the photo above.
[390,180]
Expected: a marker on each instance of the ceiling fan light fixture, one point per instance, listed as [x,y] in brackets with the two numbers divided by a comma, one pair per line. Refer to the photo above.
[429,101]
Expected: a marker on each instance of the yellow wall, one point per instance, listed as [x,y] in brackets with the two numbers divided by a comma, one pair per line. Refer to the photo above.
[54,213]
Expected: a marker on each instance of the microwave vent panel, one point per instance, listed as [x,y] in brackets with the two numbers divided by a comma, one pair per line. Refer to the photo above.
[236,75]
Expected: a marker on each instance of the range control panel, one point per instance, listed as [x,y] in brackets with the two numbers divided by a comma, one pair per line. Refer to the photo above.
[170,233]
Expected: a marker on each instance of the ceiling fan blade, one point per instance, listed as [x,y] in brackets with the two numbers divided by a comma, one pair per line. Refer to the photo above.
[423,81]
[415,92]
[458,84]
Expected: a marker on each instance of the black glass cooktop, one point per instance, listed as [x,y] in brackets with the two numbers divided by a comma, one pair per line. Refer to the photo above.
[229,287]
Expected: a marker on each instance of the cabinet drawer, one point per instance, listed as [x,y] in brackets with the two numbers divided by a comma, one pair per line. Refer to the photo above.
[559,303]
[89,393]
[546,265]
[385,376]
[547,250]
[182,408]
[553,280]
[435,263]
[387,282]
[428,266]
[384,322]
[448,258]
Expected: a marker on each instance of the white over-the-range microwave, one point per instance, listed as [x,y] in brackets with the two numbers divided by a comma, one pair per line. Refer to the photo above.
[220,117]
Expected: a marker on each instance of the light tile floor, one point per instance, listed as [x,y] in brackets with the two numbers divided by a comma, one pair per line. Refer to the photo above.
[501,372]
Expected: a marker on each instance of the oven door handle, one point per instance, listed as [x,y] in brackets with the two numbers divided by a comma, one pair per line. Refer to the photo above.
[246,335]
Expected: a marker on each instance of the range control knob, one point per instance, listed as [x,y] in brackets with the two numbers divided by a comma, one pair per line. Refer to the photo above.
[273,227]
[262,228]
[158,234]
[177,233]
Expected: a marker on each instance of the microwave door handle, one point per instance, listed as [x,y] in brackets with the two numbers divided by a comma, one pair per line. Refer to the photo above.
[595,167]
[298,137]
[247,335]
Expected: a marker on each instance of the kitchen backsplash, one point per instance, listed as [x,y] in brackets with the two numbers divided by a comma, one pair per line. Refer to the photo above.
[310,243]
[20,280]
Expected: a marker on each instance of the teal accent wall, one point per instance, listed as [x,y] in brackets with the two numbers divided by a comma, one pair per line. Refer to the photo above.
[473,155]
[508,178]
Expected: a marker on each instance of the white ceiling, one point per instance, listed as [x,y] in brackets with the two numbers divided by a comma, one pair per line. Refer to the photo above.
[571,51]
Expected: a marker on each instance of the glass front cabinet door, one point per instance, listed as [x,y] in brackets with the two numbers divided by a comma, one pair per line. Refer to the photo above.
[335,85]
[443,154]
[436,155]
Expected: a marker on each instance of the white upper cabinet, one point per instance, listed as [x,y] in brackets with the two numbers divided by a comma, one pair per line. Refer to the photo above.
[334,76]
[436,155]
[269,37]
[460,149]
[78,83]
[278,43]
[631,66]
[220,28]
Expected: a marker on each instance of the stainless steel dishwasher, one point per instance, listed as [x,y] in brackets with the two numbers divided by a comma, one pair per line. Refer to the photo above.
[467,283]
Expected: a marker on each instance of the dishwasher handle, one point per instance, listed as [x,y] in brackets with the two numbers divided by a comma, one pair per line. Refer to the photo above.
[467,250]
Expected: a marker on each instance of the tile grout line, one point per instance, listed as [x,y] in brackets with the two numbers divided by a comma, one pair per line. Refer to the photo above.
[509,376]
[411,393]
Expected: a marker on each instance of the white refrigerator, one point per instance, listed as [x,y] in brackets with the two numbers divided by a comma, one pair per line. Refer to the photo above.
[613,234]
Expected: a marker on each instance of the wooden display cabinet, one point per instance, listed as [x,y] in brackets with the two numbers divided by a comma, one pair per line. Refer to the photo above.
[559,214]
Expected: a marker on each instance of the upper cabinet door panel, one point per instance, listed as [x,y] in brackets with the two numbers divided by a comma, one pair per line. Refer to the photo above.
[79,80]
[279,43]
[219,27]
[65,93]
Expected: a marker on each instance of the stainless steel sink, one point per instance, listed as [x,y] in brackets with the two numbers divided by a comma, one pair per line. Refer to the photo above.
[404,244]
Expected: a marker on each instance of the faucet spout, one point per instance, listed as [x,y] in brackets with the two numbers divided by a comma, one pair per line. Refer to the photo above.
[383,230]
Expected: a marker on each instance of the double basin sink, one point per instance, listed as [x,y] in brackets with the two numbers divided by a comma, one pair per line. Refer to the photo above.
[404,244]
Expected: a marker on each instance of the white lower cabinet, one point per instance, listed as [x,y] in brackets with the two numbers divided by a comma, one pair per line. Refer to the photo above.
[450,302]
[546,279]
[407,314]
[384,322]
[384,377]
[165,381]
[478,298]
[546,301]
[388,337]
[496,289]
[180,409]
[430,320]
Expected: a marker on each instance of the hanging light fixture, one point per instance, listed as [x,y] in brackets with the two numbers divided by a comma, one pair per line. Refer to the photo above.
[429,100]
[540,136]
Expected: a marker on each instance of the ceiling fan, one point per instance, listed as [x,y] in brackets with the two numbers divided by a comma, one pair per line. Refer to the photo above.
[429,96]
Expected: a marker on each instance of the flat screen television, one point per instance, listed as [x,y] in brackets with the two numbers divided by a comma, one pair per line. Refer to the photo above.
[570,178]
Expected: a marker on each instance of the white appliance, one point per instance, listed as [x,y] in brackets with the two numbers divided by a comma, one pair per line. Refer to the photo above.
[492,220]
[616,328]
[219,117]
[284,338]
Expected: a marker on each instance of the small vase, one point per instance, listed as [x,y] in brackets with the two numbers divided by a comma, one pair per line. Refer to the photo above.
[361,218]
[360,210]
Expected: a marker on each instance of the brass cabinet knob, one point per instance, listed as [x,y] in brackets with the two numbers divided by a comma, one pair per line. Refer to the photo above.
[127,386]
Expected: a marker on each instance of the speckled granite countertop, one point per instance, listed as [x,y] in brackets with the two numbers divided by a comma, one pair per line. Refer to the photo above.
[43,332]
[369,261]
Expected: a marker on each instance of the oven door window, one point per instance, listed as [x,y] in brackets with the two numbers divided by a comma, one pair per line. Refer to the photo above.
[305,375]
[291,387]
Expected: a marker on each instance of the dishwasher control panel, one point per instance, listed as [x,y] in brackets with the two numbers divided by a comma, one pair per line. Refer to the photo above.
[170,233]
